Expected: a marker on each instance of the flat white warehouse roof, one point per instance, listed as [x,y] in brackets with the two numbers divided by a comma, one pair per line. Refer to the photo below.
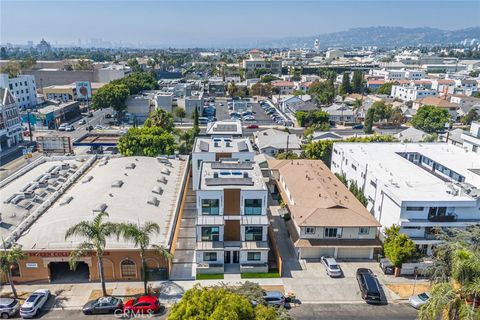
[130,189]
[406,180]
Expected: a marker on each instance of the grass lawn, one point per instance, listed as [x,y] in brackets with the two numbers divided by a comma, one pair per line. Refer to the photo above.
[212,276]
[269,274]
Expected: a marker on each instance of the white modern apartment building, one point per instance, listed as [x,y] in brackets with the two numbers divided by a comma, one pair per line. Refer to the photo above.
[402,74]
[444,86]
[216,148]
[23,87]
[164,100]
[417,186]
[471,140]
[10,122]
[232,224]
[411,93]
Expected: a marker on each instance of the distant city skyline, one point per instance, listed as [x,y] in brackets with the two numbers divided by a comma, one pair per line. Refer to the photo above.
[215,23]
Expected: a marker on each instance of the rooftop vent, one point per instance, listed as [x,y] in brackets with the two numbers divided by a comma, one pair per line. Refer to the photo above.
[162,180]
[117,184]
[157,189]
[153,201]
[165,171]
[87,179]
[66,201]
[100,208]
[130,166]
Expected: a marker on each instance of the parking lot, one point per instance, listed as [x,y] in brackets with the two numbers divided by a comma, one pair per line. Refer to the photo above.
[261,117]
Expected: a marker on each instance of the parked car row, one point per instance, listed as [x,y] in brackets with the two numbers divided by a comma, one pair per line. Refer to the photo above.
[140,305]
[273,113]
[29,309]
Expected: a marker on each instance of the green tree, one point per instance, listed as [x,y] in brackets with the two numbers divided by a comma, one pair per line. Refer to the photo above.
[268,78]
[358,192]
[430,119]
[312,117]
[398,247]
[298,92]
[322,92]
[368,126]
[345,86]
[357,82]
[83,65]
[141,235]
[232,89]
[146,141]
[111,95]
[287,155]
[12,68]
[8,259]
[161,119]
[134,65]
[96,233]
[180,113]
[471,116]
[262,89]
[196,123]
[385,88]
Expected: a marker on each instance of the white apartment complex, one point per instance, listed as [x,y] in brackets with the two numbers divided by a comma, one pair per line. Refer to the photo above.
[417,186]
[10,122]
[23,87]
[471,140]
[411,93]
[402,74]
[253,64]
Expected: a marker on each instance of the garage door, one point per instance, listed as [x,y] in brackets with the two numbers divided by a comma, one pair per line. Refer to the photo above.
[353,253]
[316,253]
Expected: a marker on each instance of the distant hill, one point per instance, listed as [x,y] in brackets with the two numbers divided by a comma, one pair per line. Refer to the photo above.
[384,37]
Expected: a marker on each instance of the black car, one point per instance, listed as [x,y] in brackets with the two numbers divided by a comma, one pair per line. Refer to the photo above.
[357,127]
[369,286]
[102,305]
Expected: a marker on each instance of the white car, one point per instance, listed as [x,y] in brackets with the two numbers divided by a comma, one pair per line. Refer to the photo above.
[331,266]
[34,303]
[69,128]
[81,122]
[419,300]
[62,127]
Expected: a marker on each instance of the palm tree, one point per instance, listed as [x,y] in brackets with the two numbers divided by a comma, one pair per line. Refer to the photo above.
[446,302]
[9,258]
[96,232]
[140,235]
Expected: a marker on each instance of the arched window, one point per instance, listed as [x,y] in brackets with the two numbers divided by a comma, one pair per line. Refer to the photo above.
[128,268]
[15,268]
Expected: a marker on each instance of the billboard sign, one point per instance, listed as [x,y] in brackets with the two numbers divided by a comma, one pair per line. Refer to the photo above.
[84,90]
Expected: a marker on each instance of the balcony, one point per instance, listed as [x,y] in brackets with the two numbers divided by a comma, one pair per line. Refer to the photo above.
[443,218]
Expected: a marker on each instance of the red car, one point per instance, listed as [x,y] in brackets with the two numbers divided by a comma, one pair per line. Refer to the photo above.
[252,126]
[142,305]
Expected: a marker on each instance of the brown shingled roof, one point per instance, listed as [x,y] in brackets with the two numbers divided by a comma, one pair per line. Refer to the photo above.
[319,198]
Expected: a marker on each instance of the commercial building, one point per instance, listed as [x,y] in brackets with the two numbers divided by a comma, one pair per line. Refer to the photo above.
[10,122]
[164,100]
[334,54]
[402,74]
[267,65]
[53,115]
[471,139]
[419,187]
[326,219]
[22,87]
[139,107]
[232,224]
[54,194]
[192,102]
[66,92]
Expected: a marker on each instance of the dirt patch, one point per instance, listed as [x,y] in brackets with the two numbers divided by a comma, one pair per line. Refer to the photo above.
[21,295]
[274,288]
[405,290]
[95,294]
[134,292]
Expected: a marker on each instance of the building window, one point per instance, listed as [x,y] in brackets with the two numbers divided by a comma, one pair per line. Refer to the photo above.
[364,231]
[437,212]
[15,269]
[254,256]
[210,206]
[414,208]
[253,233]
[310,230]
[128,268]
[354,167]
[330,232]
[253,207]
[373,184]
[209,256]
[210,234]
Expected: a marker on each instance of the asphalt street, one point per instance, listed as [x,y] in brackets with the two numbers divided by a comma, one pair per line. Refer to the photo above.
[353,311]
[302,312]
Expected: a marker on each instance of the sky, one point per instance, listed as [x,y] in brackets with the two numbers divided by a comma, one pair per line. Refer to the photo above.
[213,23]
